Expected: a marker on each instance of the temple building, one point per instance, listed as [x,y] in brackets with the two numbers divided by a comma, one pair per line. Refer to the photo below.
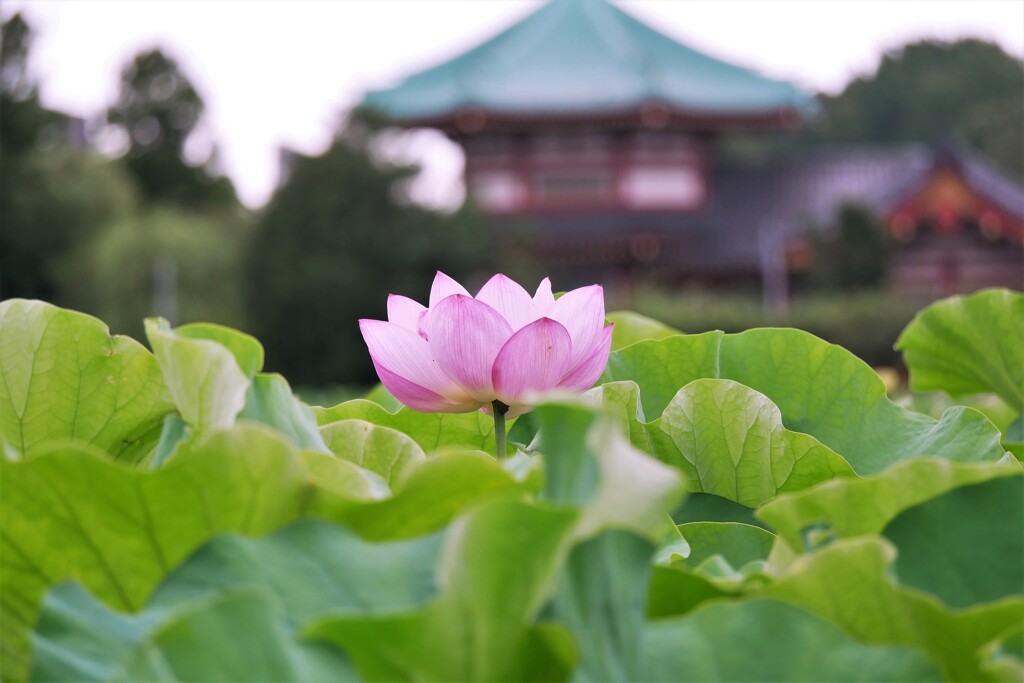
[590,142]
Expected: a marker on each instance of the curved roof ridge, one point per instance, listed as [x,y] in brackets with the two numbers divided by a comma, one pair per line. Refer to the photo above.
[511,44]
[985,176]
[605,25]
[587,58]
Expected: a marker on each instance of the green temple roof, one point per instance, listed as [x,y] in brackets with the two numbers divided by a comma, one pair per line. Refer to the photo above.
[574,58]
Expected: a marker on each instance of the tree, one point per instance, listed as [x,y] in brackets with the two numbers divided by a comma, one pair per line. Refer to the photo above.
[159,110]
[53,195]
[853,253]
[330,246]
[929,89]
[197,256]
[23,116]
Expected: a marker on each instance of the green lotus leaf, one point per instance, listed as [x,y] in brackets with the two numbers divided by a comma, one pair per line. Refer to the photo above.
[965,546]
[705,507]
[1003,658]
[602,598]
[623,494]
[715,559]
[856,507]
[766,640]
[432,431]
[78,638]
[388,452]
[269,400]
[71,513]
[625,497]
[429,496]
[967,345]
[173,433]
[848,583]
[203,367]
[621,402]
[65,377]
[228,636]
[821,390]
[631,327]
[729,441]
[496,565]
[677,590]
[737,544]
[246,349]
[384,398]
[589,464]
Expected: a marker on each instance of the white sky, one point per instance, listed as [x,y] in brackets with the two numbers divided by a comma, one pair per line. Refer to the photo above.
[277,73]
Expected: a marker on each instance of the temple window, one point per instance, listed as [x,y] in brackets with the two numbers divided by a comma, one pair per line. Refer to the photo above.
[569,187]
[667,187]
[498,191]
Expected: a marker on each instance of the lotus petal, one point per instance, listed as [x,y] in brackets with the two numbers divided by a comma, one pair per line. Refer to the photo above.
[465,338]
[443,288]
[581,311]
[404,312]
[420,398]
[543,300]
[583,376]
[404,353]
[533,360]
[507,297]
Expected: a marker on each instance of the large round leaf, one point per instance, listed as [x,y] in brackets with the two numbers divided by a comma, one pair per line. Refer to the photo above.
[65,377]
[967,345]
[821,389]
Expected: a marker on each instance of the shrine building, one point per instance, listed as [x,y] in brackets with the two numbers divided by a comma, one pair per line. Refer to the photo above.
[590,143]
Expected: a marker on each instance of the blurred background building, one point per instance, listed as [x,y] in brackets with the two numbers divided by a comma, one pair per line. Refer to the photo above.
[597,149]
[592,140]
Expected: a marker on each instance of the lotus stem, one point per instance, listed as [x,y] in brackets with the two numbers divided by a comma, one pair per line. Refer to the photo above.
[498,409]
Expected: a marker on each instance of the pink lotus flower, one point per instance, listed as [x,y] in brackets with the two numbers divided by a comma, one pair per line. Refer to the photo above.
[464,352]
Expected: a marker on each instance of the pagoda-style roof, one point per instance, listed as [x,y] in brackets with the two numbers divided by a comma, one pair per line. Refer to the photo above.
[575,60]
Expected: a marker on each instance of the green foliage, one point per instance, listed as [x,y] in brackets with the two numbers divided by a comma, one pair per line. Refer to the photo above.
[432,431]
[929,89]
[632,327]
[709,418]
[97,389]
[856,507]
[159,109]
[864,323]
[734,543]
[853,253]
[112,273]
[81,229]
[967,345]
[767,640]
[70,512]
[178,644]
[341,572]
[849,583]
[270,400]
[50,205]
[481,626]
[203,368]
[338,216]
[820,389]
[388,452]
[961,574]
[828,534]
